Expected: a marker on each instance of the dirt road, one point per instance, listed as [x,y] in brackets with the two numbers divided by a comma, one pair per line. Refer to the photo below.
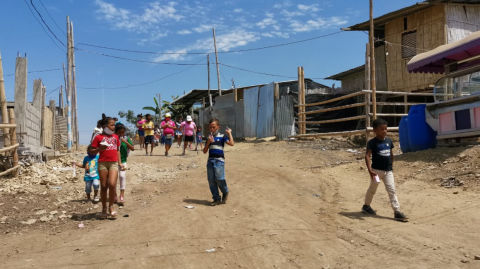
[292,205]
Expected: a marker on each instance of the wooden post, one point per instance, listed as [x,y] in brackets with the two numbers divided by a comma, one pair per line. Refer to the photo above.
[304,117]
[13,140]
[3,104]
[234,91]
[203,102]
[299,115]
[42,112]
[74,86]
[54,112]
[367,114]
[66,86]
[372,63]
[216,59]
[69,89]
[209,94]
[405,100]
[367,68]
[60,102]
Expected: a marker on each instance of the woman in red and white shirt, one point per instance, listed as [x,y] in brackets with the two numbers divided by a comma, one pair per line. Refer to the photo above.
[108,145]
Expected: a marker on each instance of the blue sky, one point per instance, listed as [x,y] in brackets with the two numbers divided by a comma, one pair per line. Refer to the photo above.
[179,26]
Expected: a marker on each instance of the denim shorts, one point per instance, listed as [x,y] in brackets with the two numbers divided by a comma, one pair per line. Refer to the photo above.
[89,183]
[141,133]
[168,142]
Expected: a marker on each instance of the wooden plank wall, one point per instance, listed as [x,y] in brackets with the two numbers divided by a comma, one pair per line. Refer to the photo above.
[353,83]
[381,69]
[462,20]
[430,27]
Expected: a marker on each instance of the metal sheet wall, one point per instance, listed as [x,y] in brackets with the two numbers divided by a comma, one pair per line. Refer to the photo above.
[284,117]
[239,119]
[250,104]
[266,112]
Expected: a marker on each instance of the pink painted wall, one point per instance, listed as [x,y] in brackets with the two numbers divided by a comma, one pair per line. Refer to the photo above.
[446,122]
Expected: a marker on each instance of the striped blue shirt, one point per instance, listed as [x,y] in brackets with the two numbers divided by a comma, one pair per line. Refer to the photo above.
[215,150]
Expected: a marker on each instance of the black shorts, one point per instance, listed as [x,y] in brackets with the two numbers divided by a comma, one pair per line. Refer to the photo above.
[149,139]
[189,138]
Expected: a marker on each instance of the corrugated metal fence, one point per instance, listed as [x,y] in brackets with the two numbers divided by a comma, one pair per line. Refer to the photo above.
[284,117]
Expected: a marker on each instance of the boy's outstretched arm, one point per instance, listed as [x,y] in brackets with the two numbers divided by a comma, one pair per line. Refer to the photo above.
[230,141]
[369,163]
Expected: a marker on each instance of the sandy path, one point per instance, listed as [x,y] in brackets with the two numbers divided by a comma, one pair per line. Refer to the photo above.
[279,215]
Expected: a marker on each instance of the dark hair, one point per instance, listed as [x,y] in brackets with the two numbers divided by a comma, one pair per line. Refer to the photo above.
[105,120]
[199,127]
[99,124]
[148,115]
[214,120]
[89,148]
[119,127]
[379,122]
[139,116]
[115,119]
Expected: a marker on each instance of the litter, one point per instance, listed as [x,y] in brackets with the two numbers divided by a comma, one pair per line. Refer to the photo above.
[316,195]
[56,188]
[126,216]
[189,207]
[210,250]
[353,151]
[81,225]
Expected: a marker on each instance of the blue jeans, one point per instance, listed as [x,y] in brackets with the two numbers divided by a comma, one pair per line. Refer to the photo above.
[89,183]
[216,178]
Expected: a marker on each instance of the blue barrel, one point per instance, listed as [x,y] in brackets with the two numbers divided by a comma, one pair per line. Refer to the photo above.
[403,132]
[420,135]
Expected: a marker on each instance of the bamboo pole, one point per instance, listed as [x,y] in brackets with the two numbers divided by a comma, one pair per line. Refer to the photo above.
[329,134]
[216,59]
[74,85]
[9,148]
[13,140]
[388,115]
[3,126]
[304,117]
[372,63]
[3,104]
[333,109]
[405,93]
[334,99]
[367,116]
[300,104]
[13,169]
[332,121]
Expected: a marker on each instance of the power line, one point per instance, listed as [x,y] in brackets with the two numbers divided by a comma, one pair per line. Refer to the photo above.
[128,59]
[31,2]
[61,30]
[39,71]
[52,91]
[261,73]
[56,44]
[142,84]
[203,53]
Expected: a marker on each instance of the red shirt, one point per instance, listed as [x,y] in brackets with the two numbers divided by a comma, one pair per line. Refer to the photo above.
[110,154]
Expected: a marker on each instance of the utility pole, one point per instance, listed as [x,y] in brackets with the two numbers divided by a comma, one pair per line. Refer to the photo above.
[216,59]
[3,104]
[74,85]
[372,64]
[69,88]
[60,103]
[209,95]
[234,90]
[159,108]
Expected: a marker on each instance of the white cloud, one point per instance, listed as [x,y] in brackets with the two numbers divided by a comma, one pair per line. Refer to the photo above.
[151,17]
[292,13]
[172,57]
[184,32]
[237,10]
[283,4]
[267,21]
[320,23]
[203,28]
[312,8]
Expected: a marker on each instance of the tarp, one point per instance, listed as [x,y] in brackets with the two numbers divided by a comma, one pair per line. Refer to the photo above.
[434,61]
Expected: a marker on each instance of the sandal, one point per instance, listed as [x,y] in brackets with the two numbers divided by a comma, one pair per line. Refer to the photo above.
[121,202]
[104,214]
[113,213]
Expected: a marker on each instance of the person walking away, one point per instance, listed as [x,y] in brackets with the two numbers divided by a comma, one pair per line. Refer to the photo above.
[188,127]
[91,178]
[178,132]
[108,145]
[168,127]
[149,139]
[97,130]
[380,167]
[125,147]
[141,132]
[199,138]
[216,161]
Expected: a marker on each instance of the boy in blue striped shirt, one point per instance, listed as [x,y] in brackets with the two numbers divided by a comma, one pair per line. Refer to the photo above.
[216,161]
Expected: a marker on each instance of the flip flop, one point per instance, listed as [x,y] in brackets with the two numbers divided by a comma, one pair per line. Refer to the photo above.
[104,214]
[113,213]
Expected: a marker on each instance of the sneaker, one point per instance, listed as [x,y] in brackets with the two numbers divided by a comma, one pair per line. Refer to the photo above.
[146,154]
[400,216]
[224,198]
[95,199]
[368,210]
[215,202]
[151,153]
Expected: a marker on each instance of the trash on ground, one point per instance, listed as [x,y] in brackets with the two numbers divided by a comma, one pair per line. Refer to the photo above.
[81,225]
[56,188]
[126,216]
[189,207]
[210,250]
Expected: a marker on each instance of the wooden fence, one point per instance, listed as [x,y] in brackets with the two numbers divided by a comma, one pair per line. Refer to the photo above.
[11,150]
[302,122]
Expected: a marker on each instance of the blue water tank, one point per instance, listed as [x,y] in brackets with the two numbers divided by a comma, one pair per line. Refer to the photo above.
[403,132]
[420,135]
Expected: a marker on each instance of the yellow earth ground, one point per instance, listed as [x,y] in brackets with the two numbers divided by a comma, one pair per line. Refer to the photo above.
[292,205]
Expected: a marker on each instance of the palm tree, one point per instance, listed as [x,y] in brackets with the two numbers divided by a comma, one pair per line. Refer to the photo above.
[156,109]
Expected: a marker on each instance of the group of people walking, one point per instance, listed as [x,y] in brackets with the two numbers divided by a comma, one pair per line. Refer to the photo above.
[186,131]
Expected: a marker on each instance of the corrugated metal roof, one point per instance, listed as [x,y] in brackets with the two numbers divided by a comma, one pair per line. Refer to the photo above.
[347,73]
